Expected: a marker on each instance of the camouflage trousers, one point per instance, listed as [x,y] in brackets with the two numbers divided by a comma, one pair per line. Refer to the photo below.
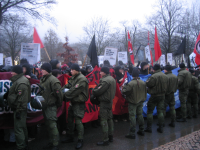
[158,102]
[135,109]
[192,101]
[107,128]
[183,98]
[21,134]
[50,117]
[170,101]
[78,122]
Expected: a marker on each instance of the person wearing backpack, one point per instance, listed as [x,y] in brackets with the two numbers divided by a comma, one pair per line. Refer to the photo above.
[77,95]
[53,97]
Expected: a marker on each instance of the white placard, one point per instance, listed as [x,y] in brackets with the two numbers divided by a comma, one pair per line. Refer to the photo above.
[8,61]
[192,59]
[169,58]
[162,60]
[100,60]
[30,51]
[123,57]
[147,53]
[110,55]
[1,58]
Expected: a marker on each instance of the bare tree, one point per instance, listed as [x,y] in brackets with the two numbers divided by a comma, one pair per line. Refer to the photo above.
[53,45]
[14,31]
[35,8]
[101,28]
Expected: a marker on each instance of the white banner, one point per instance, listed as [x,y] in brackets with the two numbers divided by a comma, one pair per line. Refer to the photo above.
[100,60]
[1,58]
[110,55]
[8,61]
[169,58]
[147,53]
[30,51]
[162,60]
[123,57]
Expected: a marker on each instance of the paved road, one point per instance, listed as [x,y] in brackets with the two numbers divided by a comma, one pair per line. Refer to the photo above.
[148,142]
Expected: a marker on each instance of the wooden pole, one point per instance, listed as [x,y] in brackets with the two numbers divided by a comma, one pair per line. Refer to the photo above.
[47,53]
[84,61]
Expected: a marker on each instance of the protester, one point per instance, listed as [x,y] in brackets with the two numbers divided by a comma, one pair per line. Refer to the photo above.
[77,95]
[55,64]
[27,71]
[18,97]
[105,94]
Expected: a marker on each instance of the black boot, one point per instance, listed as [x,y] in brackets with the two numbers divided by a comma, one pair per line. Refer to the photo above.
[103,143]
[110,138]
[130,136]
[79,144]
[148,129]
[48,146]
[140,133]
[181,120]
[160,129]
[172,124]
[68,139]
[55,148]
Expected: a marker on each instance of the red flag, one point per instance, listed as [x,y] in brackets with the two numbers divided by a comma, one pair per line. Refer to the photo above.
[130,48]
[150,50]
[157,49]
[36,38]
[197,50]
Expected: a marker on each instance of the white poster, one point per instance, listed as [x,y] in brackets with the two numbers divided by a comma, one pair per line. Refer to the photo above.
[123,57]
[30,51]
[110,55]
[8,61]
[1,58]
[162,60]
[100,60]
[192,59]
[147,53]
[169,58]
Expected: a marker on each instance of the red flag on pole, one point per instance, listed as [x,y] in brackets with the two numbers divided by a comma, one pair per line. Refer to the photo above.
[130,48]
[157,49]
[36,38]
[150,50]
[197,50]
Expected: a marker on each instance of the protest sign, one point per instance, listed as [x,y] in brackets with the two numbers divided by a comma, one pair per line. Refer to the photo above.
[147,53]
[162,60]
[30,51]
[169,58]
[1,58]
[100,59]
[8,61]
[122,56]
[110,55]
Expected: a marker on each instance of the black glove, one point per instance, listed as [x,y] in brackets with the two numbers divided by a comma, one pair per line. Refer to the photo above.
[18,115]
[5,96]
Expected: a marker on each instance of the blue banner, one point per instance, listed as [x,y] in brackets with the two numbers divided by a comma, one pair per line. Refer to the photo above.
[144,78]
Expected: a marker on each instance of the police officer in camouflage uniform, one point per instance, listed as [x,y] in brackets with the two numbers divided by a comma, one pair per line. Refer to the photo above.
[18,97]
[136,94]
[77,95]
[184,83]
[105,92]
[192,99]
[157,87]
[52,94]
[169,96]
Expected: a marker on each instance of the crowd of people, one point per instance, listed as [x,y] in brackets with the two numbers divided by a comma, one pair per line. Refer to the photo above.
[160,85]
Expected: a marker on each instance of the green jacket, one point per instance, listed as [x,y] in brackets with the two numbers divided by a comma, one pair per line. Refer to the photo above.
[20,93]
[135,91]
[105,92]
[78,93]
[184,79]
[157,83]
[52,90]
[195,88]
[172,83]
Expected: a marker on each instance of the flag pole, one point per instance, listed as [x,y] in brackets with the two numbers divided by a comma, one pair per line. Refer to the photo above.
[47,53]
[84,61]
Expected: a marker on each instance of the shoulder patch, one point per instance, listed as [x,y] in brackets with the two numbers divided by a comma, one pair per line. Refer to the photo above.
[19,92]
[77,85]
[99,87]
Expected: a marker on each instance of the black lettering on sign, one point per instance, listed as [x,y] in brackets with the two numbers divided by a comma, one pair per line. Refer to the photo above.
[86,110]
[91,107]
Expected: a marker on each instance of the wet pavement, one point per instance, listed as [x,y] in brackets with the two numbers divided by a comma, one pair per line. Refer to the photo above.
[147,142]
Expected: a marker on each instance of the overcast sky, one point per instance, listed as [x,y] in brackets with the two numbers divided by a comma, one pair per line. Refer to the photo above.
[72,15]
